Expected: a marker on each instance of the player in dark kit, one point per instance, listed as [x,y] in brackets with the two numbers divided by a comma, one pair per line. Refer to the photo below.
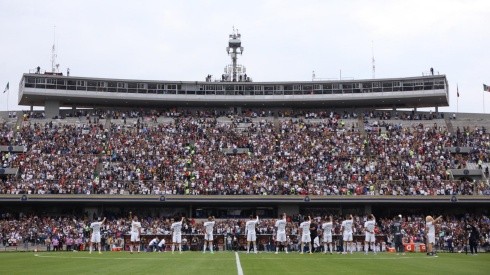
[474,236]
[313,233]
[397,231]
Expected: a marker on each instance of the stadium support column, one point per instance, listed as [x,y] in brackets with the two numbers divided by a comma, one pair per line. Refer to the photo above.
[51,108]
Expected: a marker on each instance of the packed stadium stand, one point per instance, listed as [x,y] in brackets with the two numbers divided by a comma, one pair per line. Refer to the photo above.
[233,147]
[316,153]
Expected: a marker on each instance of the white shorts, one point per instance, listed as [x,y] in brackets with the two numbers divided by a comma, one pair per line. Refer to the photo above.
[95,238]
[327,238]
[281,237]
[306,238]
[251,237]
[208,236]
[177,238]
[431,238]
[370,238]
[135,237]
[347,237]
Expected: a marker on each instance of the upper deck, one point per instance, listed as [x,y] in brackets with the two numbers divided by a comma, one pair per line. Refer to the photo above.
[71,91]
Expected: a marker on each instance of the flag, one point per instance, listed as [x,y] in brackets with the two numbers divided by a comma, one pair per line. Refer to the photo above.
[6,88]
[486,88]
[457,90]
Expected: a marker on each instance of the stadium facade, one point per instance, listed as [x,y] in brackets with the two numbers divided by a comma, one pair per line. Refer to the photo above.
[55,91]
[235,88]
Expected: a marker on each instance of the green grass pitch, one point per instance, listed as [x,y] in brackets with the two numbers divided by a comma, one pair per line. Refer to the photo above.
[226,263]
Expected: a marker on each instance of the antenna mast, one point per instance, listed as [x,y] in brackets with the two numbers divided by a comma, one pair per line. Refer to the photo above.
[54,66]
[373,61]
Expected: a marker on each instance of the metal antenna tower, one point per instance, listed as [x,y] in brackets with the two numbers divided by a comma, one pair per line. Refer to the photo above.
[234,48]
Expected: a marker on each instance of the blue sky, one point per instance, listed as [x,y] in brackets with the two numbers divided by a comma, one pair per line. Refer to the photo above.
[283,40]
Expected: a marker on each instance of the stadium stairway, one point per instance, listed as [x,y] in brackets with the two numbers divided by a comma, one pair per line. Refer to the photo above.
[277,125]
[18,124]
[449,125]
[361,125]
[471,120]
[474,166]
[108,120]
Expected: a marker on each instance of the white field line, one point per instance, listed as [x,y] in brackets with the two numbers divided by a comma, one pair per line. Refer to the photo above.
[238,265]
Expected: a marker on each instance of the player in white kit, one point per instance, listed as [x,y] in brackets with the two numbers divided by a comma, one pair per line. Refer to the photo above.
[161,245]
[95,238]
[208,234]
[305,234]
[250,232]
[152,245]
[177,234]
[327,228]
[346,229]
[430,224]
[370,239]
[135,233]
[281,233]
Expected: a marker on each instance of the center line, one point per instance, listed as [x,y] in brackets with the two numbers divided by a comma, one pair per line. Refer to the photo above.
[238,265]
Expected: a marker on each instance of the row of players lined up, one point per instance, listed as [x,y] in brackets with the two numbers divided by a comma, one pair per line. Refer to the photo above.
[306,227]
[74,232]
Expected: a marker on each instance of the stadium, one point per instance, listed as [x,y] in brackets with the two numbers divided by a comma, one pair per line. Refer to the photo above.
[231,148]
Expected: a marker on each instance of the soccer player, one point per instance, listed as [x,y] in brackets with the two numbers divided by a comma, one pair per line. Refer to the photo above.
[161,245]
[346,228]
[177,235]
[305,234]
[95,238]
[327,228]
[281,233]
[152,246]
[250,232]
[135,233]
[430,224]
[397,231]
[208,235]
[370,237]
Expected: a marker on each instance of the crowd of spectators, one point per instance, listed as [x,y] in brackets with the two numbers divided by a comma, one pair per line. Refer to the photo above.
[290,154]
[72,233]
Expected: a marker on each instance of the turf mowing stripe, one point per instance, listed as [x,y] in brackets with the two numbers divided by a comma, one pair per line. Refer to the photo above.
[334,259]
[238,265]
[118,258]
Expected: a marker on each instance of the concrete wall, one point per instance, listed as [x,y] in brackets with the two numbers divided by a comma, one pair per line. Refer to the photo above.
[52,108]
